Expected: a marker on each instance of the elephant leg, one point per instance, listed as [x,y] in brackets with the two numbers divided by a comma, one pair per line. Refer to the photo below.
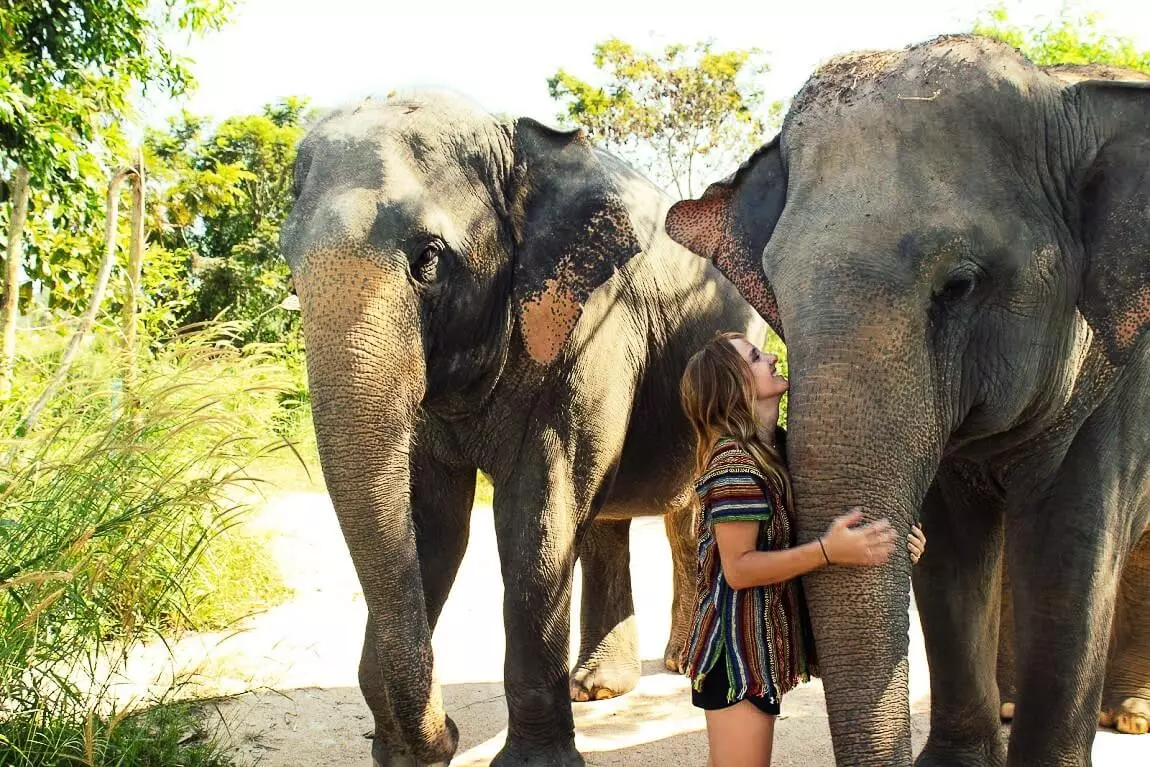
[1063,607]
[1005,671]
[537,558]
[1066,559]
[1067,556]
[608,664]
[683,539]
[387,747]
[441,499]
[1126,694]
[956,587]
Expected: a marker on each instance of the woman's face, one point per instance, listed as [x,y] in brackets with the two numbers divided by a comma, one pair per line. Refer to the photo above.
[768,382]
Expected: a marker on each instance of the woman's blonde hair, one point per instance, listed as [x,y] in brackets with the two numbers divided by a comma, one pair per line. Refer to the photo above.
[718,393]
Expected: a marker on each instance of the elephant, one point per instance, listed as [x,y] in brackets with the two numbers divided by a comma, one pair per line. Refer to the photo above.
[487,293]
[955,245]
[1126,714]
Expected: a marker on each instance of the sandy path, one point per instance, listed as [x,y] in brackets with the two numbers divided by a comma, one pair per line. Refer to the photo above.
[300,658]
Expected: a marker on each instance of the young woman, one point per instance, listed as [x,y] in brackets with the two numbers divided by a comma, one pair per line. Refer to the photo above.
[750,640]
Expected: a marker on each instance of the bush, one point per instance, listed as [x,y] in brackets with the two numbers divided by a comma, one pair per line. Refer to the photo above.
[111,516]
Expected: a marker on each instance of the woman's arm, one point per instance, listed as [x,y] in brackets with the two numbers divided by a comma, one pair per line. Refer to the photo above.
[745,567]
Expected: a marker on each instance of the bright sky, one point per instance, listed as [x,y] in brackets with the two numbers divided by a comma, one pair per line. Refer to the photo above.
[500,52]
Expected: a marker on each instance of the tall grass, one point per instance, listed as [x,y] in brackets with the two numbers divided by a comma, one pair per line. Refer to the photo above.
[108,516]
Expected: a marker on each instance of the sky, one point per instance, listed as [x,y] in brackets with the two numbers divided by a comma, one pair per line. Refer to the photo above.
[501,52]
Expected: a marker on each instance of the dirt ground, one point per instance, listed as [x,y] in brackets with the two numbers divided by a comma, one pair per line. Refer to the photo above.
[292,670]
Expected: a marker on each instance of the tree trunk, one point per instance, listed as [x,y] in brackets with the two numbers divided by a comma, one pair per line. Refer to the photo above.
[11,277]
[135,266]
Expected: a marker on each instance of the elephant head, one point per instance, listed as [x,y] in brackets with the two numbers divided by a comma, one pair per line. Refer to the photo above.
[941,232]
[431,246]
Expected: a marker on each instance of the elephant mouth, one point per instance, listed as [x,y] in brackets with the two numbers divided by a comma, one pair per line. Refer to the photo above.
[456,403]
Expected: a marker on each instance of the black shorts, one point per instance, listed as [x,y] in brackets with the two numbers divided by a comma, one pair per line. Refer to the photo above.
[713,696]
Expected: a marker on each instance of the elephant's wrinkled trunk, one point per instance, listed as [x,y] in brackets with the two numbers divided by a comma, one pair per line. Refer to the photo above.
[861,433]
[366,375]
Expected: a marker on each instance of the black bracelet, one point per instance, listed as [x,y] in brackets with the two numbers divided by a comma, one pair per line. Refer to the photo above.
[824,548]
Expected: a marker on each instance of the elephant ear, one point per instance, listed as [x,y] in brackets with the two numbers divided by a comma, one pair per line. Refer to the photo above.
[731,224]
[572,232]
[1115,216]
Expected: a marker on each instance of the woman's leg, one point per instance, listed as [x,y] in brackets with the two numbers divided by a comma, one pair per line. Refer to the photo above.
[740,736]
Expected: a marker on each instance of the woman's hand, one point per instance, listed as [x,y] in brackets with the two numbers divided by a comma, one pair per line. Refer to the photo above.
[846,544]
[916,542]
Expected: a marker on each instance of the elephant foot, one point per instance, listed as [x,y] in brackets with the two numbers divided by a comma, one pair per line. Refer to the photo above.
[381,756]
[519,754]
[672,655]
[605,679]
[608,664]
[1006,711]
[385,754]
[989,753]
[404,761]
[1132,717]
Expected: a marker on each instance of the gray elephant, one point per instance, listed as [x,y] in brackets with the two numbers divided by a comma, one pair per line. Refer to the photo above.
[487,293]
[1125,705]
[957,245]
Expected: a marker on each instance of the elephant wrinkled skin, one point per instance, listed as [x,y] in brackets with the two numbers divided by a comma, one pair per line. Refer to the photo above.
[492,294]
[957,246]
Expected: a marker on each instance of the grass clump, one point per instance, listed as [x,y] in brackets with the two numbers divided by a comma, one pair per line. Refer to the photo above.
[119,523]
[172,735]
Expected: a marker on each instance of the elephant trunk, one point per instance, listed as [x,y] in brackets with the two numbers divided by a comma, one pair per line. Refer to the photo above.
[367,378]
[862,432]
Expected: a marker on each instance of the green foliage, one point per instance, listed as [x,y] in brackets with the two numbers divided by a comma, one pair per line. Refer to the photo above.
[119,523]
[484,492]
[1072,38]
[215,201]
[63,235]
[224,197]
[232,578]
[68,71]
[680,115]
[169,735]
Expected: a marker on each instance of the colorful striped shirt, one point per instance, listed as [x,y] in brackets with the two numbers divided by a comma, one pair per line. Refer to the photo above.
[763,632]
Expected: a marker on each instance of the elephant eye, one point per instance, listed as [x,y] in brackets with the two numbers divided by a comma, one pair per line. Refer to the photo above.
[957,288]
[425,265]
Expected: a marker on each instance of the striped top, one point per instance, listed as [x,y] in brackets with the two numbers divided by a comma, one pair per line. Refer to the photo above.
[765,630]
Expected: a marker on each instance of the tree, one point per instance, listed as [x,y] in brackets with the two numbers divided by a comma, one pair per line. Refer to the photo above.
[682,115]
[1072,38]
[225,194]
[11,275]
[68,70]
